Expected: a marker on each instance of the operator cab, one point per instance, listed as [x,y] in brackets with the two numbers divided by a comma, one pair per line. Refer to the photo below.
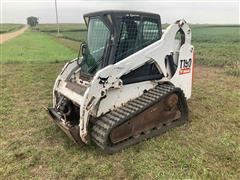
[114,35]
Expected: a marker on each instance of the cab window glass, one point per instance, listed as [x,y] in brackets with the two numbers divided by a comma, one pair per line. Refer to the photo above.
[129,37]
[136,35]
[150,32]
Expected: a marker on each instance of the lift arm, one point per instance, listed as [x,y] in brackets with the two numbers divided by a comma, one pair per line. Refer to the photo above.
[109,77]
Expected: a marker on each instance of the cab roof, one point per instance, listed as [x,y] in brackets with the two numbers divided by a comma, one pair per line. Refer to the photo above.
[121,12]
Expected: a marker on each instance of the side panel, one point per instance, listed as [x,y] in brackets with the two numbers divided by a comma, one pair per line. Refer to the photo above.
[60,83]
[117,97]
[108,78]
[184,73]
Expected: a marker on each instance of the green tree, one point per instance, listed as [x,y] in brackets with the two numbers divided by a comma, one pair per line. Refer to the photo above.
[32,21]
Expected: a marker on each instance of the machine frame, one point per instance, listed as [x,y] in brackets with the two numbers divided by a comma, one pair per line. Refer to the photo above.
[99,93]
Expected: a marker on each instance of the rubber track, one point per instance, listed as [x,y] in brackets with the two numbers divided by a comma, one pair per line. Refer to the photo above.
[103,126]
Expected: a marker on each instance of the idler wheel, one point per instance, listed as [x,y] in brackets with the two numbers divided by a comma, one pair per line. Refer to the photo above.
[171,101]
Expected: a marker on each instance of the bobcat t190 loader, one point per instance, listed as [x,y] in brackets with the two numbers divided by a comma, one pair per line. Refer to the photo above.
[131,83]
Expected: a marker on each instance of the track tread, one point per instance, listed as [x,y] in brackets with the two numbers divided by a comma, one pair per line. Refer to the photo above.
[103,126]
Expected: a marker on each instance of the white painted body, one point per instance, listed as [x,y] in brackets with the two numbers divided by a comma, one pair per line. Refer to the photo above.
[92,102]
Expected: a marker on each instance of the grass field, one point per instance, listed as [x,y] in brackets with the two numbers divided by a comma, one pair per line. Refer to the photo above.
[216,34]
[216,45]
[4,28]
[34,46]
[62,27]
[31,146]
[76,32]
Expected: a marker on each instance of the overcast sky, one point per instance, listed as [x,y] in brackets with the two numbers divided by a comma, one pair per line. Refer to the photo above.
[71,11]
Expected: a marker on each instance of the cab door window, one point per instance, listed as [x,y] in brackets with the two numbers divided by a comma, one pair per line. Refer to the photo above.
[150,31]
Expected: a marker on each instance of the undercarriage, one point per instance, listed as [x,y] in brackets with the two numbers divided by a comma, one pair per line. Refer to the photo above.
[149,115]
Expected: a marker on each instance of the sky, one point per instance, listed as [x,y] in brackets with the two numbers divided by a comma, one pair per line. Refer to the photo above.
[71,11]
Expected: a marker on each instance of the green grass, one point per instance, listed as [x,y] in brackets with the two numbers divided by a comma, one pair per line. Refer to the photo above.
[75,32]
[79,36]
[4,28]
[31,146]
[215,45]
[216,34]
[34,46]
[233,70]
[218,46]
[62,27]
[217,54]
[74,45]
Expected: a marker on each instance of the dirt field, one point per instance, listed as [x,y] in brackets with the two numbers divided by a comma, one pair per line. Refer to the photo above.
[7,36]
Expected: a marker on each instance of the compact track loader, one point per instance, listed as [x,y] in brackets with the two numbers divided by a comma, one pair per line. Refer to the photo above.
[131,83]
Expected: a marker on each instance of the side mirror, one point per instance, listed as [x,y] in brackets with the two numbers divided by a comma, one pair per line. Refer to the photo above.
[83,49]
